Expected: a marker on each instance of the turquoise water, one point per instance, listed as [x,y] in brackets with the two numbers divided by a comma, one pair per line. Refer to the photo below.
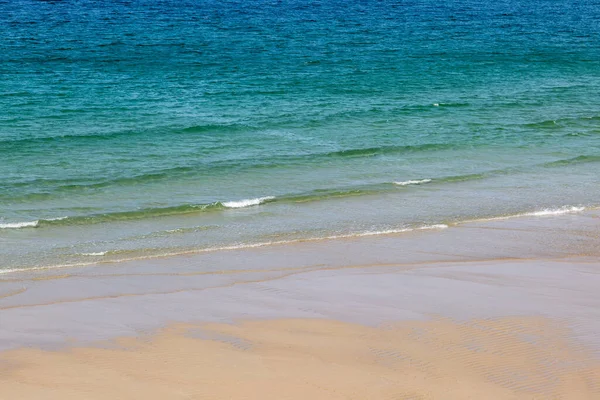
[142,128]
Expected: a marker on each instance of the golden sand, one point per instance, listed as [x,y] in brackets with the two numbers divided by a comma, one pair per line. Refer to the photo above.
[509,358]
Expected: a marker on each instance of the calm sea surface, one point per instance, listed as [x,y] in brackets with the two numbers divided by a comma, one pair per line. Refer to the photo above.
[146,127]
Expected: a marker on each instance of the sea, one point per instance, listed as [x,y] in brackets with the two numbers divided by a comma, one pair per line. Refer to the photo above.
[134,129]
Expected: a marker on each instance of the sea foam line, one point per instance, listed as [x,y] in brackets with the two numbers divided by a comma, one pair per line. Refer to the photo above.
[412,182]
[18,225]
[225,248]
[543,212]
[540,213]
[376,233]
[558,211]
[27,224]
[247,202]
[216,205]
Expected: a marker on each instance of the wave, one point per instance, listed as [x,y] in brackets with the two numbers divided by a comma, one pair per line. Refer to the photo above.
[551,123]
[310,196]
[170,232]
[384,232]
[215,128]
[545,212]
[574,160]
[247,202]
[374,151]
[70,185]
[561,122]
[412,182]
[327,194]
[17,225]
[468,177]
[451,104]
[209,127]
[136,214]
[449,179]
[57,186]
[28,224]
[452,178]
[555,211]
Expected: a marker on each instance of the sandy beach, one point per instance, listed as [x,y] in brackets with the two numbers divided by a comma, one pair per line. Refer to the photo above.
[301,200]
[497,309]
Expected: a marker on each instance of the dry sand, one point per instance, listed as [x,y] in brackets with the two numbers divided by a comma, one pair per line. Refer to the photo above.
[506,358]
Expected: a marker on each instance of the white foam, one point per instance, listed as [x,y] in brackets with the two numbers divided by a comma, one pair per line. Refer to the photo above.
[100,253]
[557,211]
[27,224]
[386,232]
[247,202]
[57,219]
[225,248]
[540,213]
[412,182]
[17,225]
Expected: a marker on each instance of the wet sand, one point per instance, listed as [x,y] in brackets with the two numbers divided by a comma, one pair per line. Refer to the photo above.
[504,309]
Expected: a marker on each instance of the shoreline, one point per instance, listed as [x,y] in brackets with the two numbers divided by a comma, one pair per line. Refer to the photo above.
[529,275]
[544,213]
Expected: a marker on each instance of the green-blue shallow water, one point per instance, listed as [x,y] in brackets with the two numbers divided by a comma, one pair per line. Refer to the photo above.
[140,128]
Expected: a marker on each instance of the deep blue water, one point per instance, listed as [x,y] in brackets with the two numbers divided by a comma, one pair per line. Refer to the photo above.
[137,128]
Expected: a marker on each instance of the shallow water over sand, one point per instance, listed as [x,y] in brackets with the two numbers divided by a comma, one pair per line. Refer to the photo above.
[131,129]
